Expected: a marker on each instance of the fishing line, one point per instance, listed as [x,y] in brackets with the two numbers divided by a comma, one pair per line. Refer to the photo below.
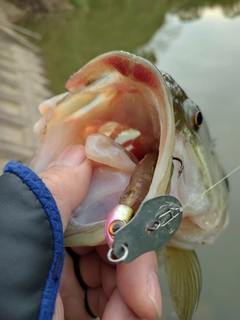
[198,197]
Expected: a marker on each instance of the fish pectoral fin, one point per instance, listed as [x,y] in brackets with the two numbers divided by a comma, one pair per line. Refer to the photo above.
[184,280]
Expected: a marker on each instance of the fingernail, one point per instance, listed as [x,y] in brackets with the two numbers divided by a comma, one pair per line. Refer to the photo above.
[154,292]
[72,156]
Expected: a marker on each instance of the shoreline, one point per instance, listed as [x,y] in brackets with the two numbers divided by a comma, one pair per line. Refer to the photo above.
[13,13]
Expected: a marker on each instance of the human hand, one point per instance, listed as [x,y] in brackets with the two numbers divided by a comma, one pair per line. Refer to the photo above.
[125,291]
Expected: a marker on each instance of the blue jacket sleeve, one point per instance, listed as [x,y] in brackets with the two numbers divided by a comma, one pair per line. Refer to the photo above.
[31,246]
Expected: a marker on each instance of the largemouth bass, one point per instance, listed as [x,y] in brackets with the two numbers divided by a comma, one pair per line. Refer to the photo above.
[122,108]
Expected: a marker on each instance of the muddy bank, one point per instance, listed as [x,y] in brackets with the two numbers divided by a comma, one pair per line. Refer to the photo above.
[14,10]
[23,86]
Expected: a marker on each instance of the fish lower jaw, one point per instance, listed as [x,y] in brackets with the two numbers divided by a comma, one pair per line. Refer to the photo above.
[190,235]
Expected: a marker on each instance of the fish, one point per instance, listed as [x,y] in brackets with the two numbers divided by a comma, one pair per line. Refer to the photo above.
[122,108]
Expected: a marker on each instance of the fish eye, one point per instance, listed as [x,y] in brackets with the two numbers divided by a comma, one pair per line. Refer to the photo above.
[115,226]
[198,119]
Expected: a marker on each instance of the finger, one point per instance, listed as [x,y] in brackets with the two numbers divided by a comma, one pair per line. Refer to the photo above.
[138,285]
[97,301]
[90,269]
[103,251]
[100,277]
[95,273]
[82,250]
[72,294]
[109,281]
[117,309]
[68,179]
[59,312]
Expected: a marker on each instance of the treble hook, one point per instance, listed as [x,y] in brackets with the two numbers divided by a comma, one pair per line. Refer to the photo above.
[181,167]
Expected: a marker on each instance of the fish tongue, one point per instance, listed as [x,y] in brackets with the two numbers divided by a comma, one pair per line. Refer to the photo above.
[102,149]
[108,181]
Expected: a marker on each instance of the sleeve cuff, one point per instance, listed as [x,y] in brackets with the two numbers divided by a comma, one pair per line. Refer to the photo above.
[43,195]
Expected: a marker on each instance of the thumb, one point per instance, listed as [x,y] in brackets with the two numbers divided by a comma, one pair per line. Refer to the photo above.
[68,179]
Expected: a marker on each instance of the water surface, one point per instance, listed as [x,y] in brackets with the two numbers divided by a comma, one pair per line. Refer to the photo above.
[199,46]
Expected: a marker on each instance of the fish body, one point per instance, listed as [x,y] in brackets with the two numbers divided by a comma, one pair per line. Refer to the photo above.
[205,209]
[122,108]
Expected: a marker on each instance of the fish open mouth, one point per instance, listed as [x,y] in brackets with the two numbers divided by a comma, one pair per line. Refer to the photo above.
[119,108]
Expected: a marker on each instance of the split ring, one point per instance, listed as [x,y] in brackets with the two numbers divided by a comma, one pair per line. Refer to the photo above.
[122,258]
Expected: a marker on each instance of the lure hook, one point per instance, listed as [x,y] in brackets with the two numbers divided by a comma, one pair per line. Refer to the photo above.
[181,167]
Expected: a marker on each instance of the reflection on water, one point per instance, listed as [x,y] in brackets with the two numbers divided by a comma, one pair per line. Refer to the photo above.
[203,58]
[199,46]
[161,39]
[71,39]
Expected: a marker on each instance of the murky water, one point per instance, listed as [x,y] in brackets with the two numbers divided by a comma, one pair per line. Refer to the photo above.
[199,46]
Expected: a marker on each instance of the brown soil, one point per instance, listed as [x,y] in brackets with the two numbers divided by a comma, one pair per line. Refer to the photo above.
[13,10]
[10,12]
